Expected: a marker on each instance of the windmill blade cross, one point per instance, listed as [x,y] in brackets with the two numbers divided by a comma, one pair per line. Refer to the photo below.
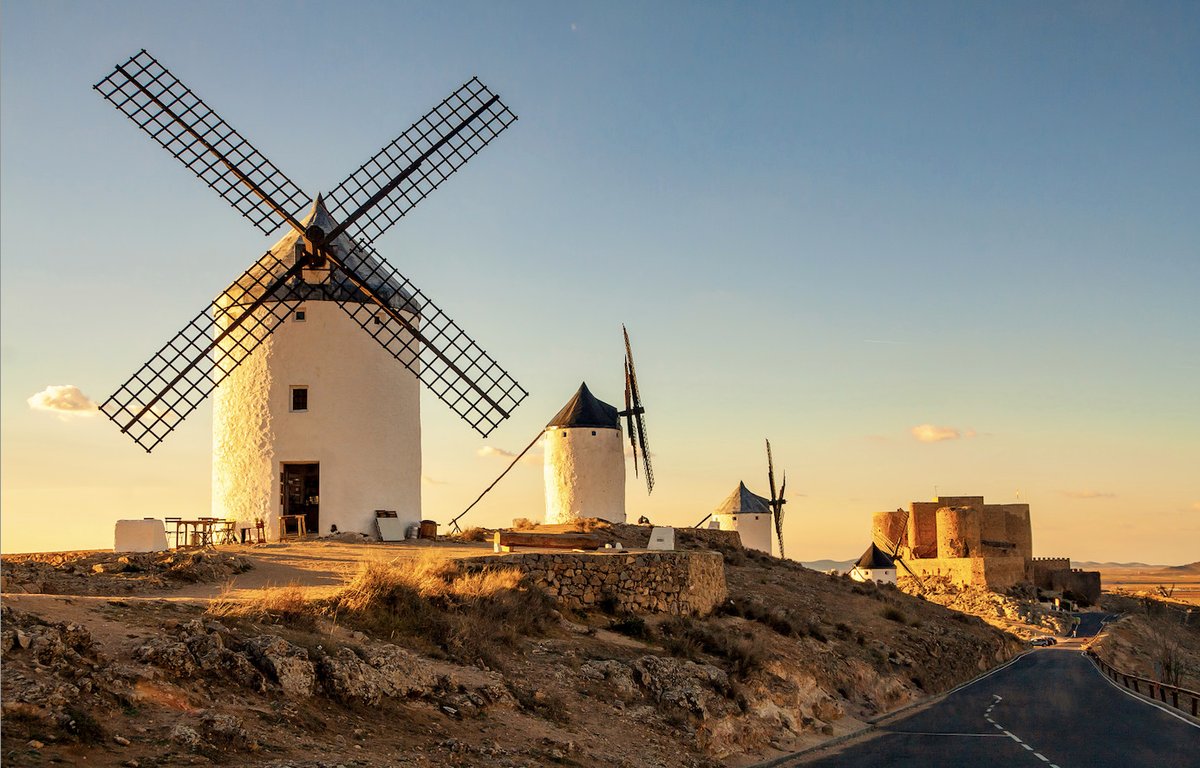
[386,187]
[179,120]
[395,313]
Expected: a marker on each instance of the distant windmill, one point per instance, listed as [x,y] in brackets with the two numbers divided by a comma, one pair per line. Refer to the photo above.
[584,464]
[893,547]
[306,393]
[751,515]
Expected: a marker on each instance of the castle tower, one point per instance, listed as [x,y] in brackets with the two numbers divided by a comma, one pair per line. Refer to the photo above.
[958,532]
[890,527]
[585,462]
[750,515]
[320,421]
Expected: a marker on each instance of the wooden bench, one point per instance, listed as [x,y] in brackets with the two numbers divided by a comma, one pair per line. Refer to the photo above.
[505,541]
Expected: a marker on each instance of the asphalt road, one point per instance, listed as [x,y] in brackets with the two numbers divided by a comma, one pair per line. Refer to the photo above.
[1050,708]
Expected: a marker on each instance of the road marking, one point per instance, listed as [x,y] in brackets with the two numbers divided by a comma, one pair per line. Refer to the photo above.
[1017,739]
[1135,697]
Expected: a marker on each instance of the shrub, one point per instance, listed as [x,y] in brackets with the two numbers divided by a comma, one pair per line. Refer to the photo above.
[893,614]
[523,524]
[281,605]
[632,626]
[469,614]
[476,534]
[743,652]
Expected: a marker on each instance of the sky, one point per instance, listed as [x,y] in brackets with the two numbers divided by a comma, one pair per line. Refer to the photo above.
[925,248]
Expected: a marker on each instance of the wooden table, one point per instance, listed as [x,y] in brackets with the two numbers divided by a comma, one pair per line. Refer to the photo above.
[301,532]
[203,532]
[193,533]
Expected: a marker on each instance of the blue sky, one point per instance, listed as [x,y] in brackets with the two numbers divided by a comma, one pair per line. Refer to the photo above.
[826,223]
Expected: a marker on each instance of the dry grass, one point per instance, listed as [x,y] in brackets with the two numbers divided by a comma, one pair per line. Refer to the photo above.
[281,605]
[470,615]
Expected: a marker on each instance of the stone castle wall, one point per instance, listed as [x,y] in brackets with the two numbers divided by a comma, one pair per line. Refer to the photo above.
[922,528]
[682,583]
[890,527]
[997,573]
[1043,567]
[958,532]
[1085,584]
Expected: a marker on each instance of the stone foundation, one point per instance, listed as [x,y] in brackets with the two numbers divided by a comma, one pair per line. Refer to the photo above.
[681,583]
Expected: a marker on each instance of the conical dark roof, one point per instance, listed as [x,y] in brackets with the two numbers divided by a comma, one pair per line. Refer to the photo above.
[584,410]
[744,501]
[875,557]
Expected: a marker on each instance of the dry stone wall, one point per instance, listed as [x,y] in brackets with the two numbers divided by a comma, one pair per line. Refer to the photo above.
[681,583]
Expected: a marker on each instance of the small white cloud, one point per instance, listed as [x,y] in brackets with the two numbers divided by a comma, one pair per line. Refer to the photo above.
[492,452]
[930,433]
[65,400]
[1088,495]
[574,27]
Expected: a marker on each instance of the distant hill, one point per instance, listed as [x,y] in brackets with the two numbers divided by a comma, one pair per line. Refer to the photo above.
[829,565]
[1091,564]
[1189,568]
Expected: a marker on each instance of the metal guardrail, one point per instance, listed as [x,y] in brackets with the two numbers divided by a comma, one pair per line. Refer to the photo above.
[1180,698]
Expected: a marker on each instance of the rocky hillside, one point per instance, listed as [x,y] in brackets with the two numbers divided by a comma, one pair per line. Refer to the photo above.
[416,662]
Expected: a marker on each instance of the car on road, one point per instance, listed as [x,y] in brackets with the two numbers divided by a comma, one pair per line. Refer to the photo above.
[1044,640]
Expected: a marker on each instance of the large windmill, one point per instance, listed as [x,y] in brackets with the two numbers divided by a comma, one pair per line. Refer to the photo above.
[315,417]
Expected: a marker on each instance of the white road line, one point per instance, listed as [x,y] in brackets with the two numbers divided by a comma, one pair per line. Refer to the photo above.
[1134,696]
[1017,739]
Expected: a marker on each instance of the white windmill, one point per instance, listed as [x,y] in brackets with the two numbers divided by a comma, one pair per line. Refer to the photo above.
[751,515]
[315,418]
[584,457]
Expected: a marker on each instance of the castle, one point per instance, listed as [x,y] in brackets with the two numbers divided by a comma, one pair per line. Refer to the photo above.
[974,544]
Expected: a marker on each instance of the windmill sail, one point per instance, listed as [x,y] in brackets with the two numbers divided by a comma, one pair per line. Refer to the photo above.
[430,151]
[179,120]
[164,391]
[635,415]
[375,295]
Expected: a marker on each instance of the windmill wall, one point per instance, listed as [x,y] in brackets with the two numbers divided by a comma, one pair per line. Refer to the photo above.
[756,529]
[584,474]
[362,425]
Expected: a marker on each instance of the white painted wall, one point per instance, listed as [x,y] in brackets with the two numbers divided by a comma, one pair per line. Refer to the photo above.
[881,575]
[755,529]
[363,425]
[585,474]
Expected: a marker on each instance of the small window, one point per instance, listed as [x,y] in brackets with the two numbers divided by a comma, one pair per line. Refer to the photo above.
[593,433]
[301,315]
[299,398]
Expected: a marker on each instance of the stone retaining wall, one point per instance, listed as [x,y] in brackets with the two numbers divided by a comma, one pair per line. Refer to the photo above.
[682,583]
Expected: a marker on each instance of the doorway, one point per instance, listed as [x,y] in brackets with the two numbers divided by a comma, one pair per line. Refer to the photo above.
[302,493]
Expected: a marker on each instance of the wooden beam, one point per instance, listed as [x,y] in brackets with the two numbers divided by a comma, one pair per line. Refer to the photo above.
[548,540]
